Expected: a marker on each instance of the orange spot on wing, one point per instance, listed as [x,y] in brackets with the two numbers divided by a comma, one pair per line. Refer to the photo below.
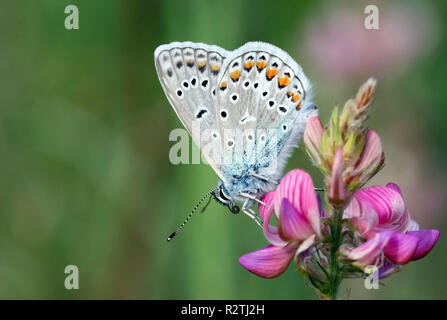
[248,65]
[215,67]
[261,65]
[298,107]
[296,97]
[201,64]
[223,84]
[289,94]
[283,81]
[271,73]
[235,75]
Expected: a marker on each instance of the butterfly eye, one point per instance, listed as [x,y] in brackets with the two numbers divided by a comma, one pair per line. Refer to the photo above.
[222,195]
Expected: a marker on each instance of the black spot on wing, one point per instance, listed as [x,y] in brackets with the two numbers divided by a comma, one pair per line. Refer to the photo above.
[201,113]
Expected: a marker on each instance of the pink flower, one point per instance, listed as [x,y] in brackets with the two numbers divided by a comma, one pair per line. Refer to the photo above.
[370,162]
[349,162]
[312,139]
[380,215]
[337,191]
[297,209]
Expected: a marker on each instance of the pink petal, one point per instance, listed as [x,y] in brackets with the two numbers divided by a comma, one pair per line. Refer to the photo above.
[387,203]
[426,241]
[267,199]
[400,248]
[270,232]
[400,226]
[371,157]
[337,191]
[306,244]
[395,187]
[297,187]
[312,137]
[268,262]
[367,253]
[413,226]
[388,268]
[361,216]
[292,224]
[404,223]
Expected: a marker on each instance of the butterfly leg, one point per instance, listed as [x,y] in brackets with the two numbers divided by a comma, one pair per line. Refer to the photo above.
[253,215]
[276,182]
[249,212]
[250,197]
[263,178]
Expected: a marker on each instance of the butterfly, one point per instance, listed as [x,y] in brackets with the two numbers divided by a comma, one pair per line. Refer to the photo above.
[250,106]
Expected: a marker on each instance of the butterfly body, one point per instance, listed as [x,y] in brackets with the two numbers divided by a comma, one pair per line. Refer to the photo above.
[250,106]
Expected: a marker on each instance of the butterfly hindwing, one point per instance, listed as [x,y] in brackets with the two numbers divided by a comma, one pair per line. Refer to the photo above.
[189,73]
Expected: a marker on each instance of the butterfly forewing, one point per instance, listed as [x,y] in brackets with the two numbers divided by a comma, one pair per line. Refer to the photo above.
[261,92]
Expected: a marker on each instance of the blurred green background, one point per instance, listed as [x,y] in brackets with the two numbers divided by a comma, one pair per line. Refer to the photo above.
[85,177]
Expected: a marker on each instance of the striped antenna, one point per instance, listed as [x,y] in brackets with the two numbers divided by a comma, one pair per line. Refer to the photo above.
[190,215]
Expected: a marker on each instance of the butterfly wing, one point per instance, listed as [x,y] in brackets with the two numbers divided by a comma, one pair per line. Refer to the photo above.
[265,93]
[188,73]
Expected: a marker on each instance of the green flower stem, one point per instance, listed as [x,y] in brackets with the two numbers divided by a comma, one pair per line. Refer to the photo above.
[334,266]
